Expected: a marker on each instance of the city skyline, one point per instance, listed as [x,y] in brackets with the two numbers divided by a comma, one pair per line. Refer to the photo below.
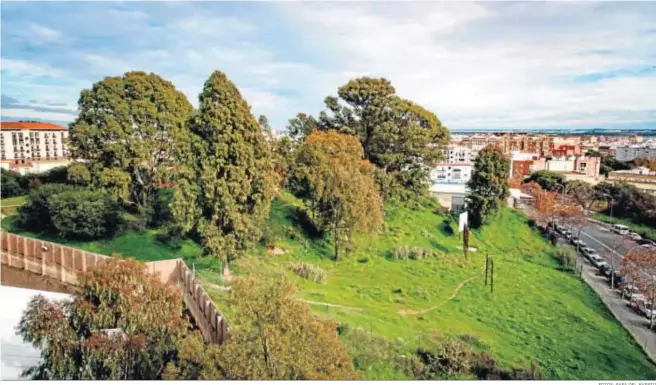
[476,65]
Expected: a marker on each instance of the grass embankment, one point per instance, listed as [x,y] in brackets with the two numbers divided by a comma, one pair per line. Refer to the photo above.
[9,205]
[537,312]
[643,230]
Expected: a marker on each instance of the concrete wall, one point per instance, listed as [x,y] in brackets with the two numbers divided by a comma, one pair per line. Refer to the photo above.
[61,263]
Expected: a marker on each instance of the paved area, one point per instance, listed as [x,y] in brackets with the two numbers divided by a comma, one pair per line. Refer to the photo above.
[612,247]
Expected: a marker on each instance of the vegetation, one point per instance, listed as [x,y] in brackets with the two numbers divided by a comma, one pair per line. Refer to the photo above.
[123,325]
[78,173]
[71,212]
[339,188]
[434,297]
[639,266]
[401,138]
[273,337]
[488,185]
[225,181]
[309,271]
[627,201]
[83,214]
[548,180]
[126,129]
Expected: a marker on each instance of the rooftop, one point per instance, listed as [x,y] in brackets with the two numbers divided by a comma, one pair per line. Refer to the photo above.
[31,126]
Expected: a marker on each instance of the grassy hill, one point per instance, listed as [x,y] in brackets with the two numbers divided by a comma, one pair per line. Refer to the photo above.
[537,312]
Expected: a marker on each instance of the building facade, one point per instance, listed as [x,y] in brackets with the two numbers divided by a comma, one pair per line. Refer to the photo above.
[451,173]
[629,153]
[33,146]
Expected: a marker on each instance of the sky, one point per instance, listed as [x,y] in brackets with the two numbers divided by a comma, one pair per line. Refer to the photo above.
[475,65]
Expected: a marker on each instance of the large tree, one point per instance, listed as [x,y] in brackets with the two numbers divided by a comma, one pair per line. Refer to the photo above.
[123,324]
[224,176]
[548,180]
[488,185]
[339,186]
[126,128]
[400,137]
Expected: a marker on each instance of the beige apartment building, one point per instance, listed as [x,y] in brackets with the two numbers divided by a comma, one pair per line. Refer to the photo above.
[27,147]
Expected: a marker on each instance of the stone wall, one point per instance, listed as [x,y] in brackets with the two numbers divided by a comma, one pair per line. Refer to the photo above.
[63,263]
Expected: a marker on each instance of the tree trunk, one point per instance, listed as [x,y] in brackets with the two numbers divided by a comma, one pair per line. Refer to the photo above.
[336,242]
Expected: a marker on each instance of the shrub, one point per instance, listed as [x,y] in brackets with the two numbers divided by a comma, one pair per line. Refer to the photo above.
[54,175]
[310,272]
[34,215]
[446,226]
[531,223]
[567,258]
[83,214]
[162,207]
[170,235]
[35,183]
[414,253]
[13,184]
[78,174]
[441,210]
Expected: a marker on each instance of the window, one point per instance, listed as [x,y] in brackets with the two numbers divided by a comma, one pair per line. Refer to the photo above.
[456,173]
[441,174]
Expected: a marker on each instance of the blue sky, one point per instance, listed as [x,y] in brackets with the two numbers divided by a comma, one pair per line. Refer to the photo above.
[476,65]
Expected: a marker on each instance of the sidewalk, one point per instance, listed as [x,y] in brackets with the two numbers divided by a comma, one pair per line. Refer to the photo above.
[636,324]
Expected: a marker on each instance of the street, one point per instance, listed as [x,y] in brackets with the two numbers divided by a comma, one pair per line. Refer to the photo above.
[612,247]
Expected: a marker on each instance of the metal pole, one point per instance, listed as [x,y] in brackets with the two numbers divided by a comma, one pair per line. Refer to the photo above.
[487,262]
[492,276]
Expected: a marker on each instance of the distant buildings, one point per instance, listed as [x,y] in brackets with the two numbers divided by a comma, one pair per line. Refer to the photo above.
[33,146]
[629,153]
[641,177]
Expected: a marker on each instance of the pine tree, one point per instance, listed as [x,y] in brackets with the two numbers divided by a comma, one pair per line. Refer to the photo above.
[488,185]
[225,179]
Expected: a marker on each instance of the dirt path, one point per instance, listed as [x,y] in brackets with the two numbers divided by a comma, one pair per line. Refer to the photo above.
[328,304]
[455,292]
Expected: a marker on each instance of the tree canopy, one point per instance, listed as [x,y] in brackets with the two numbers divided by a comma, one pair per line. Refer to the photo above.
[128,125]
[224,173]
[548,180]
[124,324]
[488,185]
[400,137]
[340,188]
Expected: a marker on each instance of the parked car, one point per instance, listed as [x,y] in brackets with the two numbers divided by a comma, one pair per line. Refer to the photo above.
[604,269]
[645,241]
[645,309]
[635,236]
[593,257]
[620,229]
[628,290]
[587,251]
[596,260]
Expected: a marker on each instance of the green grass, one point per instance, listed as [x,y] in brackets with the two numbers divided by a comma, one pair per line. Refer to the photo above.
[650,232]
[13,202]
[537,312]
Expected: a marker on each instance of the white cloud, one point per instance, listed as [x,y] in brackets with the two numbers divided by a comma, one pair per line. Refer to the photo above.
[43,34]
[21,113]
[462,59]
[22,68]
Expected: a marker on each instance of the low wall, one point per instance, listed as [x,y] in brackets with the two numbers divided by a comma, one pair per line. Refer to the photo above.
[63,264]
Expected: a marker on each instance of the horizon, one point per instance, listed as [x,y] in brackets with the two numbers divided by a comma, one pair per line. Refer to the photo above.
[477,66]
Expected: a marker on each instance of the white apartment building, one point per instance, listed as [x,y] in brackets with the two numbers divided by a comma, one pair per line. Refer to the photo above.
[628,153]
[33,146]
[451,173]
[455,153]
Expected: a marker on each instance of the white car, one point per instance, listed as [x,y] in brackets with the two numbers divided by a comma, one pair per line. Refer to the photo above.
[587,251]
[596,260]
[635,236]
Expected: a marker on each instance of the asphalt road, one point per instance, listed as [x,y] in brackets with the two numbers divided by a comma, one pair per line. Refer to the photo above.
[612,248]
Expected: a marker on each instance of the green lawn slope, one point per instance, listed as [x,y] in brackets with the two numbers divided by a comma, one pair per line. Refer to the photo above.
[537,312]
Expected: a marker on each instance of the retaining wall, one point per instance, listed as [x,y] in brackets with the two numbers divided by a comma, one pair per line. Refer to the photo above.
[64,263]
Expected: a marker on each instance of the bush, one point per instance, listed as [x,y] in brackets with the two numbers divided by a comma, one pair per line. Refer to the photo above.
[170,235]
[34,215]
[446,226]
[310,272]
[57,175]
[531,223]
[162,207]
[441,210]
[13,184]
[414,253]
[83,214]
[567,258]
[34,183]
[78,174]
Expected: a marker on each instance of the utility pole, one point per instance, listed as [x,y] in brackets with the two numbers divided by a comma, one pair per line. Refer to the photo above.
[492,276]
